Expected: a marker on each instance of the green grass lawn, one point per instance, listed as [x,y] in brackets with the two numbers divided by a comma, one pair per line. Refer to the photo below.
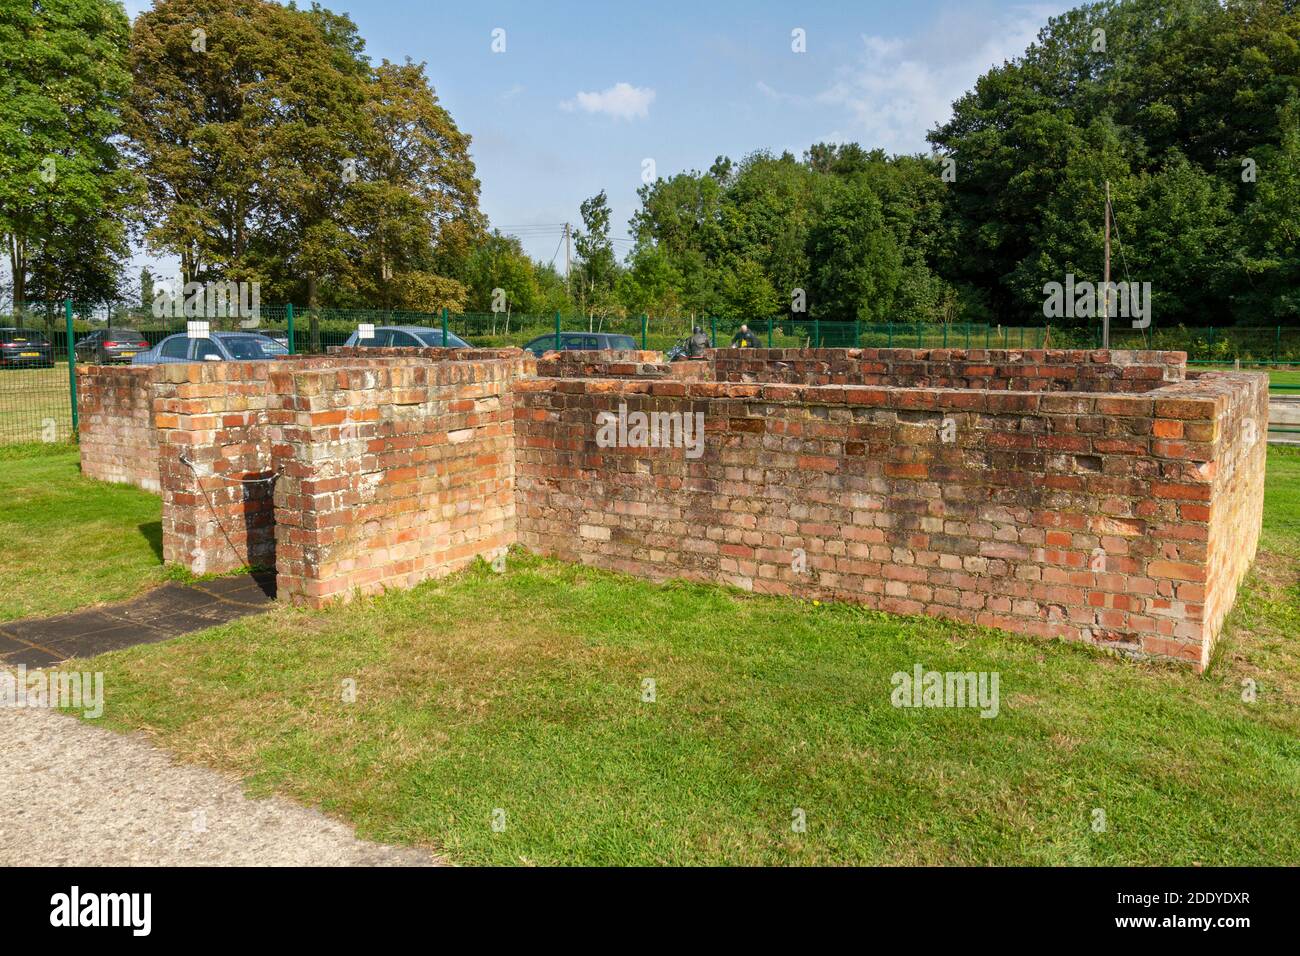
[68,541]
[523,692]
[35,405]
[1284,377]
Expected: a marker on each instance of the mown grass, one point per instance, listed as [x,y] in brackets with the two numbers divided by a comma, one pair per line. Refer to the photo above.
[35,405]
[68,541]
[523,692]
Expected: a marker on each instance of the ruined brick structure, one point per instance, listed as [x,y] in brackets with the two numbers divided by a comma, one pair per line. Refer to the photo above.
[1113,498]
[116,433]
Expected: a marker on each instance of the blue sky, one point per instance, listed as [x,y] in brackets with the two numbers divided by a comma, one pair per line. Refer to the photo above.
[584,93]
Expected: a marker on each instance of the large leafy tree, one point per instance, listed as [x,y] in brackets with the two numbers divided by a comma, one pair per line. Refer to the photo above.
[1166,99]
[200,101]
[64,193]
[416,197]
[274,151]
[856,263]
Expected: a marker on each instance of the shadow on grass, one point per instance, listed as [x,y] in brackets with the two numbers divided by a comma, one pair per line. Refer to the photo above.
[152,531]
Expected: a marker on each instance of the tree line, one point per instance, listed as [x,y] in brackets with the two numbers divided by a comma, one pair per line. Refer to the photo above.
[258,142]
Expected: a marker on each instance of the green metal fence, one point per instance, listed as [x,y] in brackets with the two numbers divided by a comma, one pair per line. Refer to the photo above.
[37,383]
[37,398]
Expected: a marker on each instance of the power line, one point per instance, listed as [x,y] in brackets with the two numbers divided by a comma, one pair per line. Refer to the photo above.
[557,250]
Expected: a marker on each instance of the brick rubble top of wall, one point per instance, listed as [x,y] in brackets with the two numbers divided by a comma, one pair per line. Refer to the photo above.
[440,354]
[1058,370]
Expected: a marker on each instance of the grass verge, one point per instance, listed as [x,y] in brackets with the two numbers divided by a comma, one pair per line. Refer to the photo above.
[524,692]
[69,541]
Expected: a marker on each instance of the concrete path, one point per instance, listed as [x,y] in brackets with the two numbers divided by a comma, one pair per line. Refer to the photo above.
[76,794]
[167,611]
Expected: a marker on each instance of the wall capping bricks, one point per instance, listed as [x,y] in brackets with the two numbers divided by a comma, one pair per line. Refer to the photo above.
[1104,496]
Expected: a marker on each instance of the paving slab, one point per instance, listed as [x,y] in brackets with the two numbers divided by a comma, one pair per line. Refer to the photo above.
[165,612]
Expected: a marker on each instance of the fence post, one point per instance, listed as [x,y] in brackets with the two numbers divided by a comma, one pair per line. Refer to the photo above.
[1277,348]
[770,320]
[857,331]
[889,341]
[645,323]
[817,333]
[967,336]
[72,365]
[444,326]
[713,331]
[289,313]
[557,330]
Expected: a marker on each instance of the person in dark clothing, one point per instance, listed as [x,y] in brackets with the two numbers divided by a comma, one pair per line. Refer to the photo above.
[744,339]
[697,344]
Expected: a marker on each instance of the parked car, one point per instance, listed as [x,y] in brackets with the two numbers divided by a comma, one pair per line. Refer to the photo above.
[407,336]
[571,341]
[25,347]
[106,346]
[215,347]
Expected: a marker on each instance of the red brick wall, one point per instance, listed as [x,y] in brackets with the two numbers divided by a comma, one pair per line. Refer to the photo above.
[392,474]
[1027,370]
[116,433]
[1094,496]
[1237,494]
[1064,515]
[216,450]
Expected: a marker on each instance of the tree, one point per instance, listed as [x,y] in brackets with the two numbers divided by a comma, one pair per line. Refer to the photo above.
[597,269]
[1271,228]
[275,152]
[651,285]
[499,262]
[147,283]
[748,294]
[1178,96]
[856,264]
[64,193]
[416,189]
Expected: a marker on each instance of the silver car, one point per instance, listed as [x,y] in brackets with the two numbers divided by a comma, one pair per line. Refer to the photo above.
[214,347]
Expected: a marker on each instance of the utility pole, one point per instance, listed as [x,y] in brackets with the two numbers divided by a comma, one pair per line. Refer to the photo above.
[1105,280]
[567,284]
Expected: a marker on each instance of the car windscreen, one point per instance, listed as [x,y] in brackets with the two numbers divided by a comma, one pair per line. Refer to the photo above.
[621,342]
[23,335]
[253,347]
[122,335]
[433,339]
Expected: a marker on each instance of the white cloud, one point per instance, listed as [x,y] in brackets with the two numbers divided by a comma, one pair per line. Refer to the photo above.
[621,101]
[902,87]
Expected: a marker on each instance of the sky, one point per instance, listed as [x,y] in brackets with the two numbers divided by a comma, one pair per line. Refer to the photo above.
[564,99]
